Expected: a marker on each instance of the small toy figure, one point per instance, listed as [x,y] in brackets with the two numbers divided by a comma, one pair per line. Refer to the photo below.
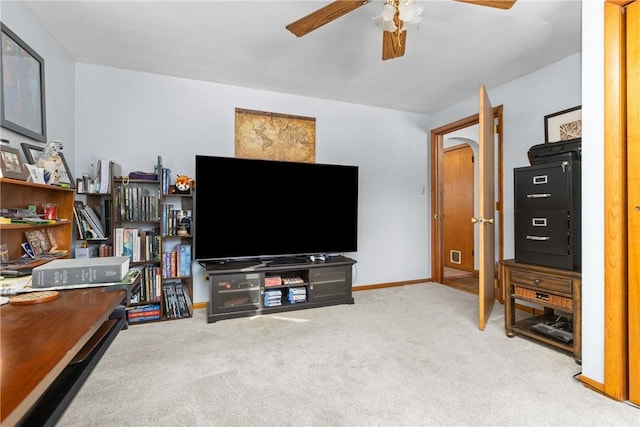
[184,184]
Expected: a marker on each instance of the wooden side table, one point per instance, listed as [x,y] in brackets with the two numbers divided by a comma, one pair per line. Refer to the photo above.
[551,293]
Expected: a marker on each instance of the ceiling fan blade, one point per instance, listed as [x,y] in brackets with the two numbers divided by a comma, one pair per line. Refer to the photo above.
[500,4]
[324,15]
[393,43]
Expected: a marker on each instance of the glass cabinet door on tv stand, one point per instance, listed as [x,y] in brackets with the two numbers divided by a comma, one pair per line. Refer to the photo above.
[235,292]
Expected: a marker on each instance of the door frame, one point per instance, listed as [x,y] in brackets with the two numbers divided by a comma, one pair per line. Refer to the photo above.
[437,192]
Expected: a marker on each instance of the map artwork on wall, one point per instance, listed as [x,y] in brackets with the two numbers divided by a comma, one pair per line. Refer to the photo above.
[274,136]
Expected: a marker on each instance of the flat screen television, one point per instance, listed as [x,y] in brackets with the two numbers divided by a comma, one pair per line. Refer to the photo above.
[248,208]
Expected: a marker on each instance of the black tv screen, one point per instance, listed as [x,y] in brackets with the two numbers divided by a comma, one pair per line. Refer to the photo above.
[247,208]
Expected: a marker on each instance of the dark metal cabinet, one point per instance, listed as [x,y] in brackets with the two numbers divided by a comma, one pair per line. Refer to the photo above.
[548,214]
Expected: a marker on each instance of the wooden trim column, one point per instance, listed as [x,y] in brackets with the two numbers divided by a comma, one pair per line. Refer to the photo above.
[633,192]
[615,203]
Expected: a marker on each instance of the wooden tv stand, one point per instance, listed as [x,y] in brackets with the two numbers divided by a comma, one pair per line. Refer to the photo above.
[248,288]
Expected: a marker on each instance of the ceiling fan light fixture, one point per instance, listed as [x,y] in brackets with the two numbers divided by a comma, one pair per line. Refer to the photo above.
[409,12]
[384,21]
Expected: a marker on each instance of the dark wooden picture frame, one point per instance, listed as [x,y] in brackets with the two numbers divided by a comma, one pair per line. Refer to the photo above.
[11,163]
[22,109]
[32,153]
[563,125]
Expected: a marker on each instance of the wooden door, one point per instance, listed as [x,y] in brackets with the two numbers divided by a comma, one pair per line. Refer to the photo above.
[633,189]
[486,209]
[458,208]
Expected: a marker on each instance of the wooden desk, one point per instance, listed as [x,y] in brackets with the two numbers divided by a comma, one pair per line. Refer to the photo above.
[40,346]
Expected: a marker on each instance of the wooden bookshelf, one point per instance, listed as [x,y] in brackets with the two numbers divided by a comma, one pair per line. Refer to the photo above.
[16,194]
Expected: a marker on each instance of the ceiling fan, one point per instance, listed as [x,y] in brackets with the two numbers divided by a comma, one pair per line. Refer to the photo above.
[394,35]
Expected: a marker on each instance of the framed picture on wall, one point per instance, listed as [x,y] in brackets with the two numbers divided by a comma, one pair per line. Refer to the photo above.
[563,125]
[22,71]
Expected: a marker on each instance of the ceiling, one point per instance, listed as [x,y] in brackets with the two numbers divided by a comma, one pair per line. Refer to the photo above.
[456,47]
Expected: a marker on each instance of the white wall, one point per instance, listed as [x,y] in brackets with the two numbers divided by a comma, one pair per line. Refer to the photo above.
[131,117]
[593,190]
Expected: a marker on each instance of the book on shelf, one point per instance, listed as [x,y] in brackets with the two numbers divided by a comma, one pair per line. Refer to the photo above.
[77,271]
[143,310]
[94,221]
[141,319]
[105,214]
[175,303]
[103,175]
[79,223]
[88,222]
[145,313]
[184,264]
[184,302]
[129,238]
[272,281]
[118,241]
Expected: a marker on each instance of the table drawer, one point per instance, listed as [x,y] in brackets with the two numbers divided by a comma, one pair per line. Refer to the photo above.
[533,295]
[540,281]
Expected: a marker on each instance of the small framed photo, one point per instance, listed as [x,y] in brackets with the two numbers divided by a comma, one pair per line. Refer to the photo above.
[563,125]
[35,173]
[31,152]
[55,167]
[11,163]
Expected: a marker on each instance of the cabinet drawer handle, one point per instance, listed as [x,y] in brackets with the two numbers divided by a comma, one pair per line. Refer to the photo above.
[540,179]
[541,296]
[536,281]
[538,195]
[538,238]
[539,222]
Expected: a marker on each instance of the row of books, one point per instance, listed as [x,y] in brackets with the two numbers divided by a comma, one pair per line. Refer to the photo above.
[177,301]
[166,180]
[150,283]
[88,223]
[143,313]
[136,203]
[103,250]
[171,218]
[272,281]
[177,263]
[139,245]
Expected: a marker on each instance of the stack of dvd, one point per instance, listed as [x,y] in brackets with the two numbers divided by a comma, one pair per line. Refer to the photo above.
[272,297]
[297,295]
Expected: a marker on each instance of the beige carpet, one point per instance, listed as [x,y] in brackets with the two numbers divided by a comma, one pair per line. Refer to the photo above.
[404,356]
